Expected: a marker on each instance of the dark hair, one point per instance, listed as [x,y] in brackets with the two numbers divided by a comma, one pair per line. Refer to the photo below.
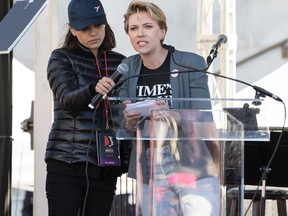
[71,42]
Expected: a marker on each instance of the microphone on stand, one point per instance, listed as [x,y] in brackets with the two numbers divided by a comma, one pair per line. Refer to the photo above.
[260,92]
[98,98]
[222,39]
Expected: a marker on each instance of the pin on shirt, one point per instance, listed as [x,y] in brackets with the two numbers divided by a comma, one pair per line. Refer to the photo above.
[174,73]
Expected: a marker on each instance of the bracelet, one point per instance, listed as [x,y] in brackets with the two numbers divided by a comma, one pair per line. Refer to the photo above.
[129,127]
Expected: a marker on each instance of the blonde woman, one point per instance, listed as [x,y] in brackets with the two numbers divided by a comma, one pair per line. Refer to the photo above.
[145,24]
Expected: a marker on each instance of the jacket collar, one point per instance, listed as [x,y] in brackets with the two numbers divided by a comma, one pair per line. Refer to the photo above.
[87,52]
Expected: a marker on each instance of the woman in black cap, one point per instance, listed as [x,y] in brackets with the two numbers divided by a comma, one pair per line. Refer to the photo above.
[78,183]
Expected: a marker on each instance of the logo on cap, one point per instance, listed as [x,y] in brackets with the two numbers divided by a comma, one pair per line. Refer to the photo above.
[97,8]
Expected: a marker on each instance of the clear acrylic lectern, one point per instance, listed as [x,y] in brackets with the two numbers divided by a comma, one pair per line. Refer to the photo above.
[186,160]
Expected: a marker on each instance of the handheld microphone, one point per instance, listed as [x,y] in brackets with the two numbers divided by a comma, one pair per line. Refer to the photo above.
[120,71]
[222,39]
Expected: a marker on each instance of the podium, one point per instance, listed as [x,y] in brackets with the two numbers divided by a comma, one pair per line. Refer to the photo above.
[186,160]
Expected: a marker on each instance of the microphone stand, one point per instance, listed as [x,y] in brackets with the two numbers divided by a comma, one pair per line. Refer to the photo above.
[265,171]
[209,59]
[260,92]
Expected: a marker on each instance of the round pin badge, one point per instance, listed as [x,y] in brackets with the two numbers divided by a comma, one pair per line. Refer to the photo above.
[174,73]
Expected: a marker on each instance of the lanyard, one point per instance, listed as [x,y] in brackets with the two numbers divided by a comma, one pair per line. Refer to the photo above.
[100,75]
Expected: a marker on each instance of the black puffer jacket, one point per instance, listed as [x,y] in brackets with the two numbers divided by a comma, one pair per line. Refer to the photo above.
[72,78]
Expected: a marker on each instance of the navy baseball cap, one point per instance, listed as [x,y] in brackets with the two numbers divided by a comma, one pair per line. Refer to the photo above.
[83,13]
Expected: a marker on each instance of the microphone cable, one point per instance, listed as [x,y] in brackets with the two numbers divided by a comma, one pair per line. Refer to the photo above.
[87,163]
[266,169]
[87,155]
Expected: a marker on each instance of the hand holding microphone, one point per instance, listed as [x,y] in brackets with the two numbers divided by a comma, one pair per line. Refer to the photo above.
[104,85]
[98,98]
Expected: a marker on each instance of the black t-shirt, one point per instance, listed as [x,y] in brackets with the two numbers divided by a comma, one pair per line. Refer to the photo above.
[155,83]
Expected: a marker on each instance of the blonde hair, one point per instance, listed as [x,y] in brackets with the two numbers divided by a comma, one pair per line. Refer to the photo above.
[153,10]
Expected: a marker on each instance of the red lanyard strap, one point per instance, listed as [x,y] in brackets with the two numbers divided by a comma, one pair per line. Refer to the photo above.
[100,75]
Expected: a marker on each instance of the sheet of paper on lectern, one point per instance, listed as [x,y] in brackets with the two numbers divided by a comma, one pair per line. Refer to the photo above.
[142,106]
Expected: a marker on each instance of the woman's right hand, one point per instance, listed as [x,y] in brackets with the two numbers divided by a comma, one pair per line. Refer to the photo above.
[131,117]
[104,85]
